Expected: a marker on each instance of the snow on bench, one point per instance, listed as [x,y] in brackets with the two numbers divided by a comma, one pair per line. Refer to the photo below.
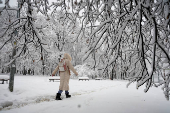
[83,78]
[98,79]
[4,78]
[54,78]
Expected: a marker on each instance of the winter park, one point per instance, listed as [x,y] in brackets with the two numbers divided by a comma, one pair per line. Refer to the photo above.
[84,56]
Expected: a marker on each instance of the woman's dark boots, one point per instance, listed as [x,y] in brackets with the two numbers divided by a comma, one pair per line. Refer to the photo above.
[67,95]
[58,96]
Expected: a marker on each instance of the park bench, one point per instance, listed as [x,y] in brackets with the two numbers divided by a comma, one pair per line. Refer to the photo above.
[4,80]
[83,78]
[53,78]
[98,79]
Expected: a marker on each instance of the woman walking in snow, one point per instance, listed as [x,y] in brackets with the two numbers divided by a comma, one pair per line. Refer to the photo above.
[64,68]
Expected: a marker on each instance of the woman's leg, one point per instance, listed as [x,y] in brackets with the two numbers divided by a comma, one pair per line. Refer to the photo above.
[60,91]
[67,94]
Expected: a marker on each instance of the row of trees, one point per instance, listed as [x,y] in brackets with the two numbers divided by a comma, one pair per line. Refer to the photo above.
[129,37]
[55,36]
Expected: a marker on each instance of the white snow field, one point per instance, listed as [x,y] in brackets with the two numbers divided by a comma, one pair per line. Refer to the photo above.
[35,94]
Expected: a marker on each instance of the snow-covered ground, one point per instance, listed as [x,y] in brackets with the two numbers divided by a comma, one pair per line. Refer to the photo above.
[35,94]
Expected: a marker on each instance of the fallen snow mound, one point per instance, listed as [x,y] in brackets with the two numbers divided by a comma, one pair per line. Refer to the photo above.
[4,76]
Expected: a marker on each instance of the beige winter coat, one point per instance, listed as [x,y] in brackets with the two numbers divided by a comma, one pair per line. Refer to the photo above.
[65,76]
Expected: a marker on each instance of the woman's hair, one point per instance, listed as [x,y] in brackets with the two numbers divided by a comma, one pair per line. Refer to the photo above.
[67,56]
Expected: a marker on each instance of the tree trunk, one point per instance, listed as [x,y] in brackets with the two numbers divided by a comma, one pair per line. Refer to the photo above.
[12,72]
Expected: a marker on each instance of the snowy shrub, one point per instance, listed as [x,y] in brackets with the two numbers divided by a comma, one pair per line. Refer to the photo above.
[84,71]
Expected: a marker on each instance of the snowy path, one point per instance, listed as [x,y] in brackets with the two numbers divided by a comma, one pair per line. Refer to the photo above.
[87,96]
